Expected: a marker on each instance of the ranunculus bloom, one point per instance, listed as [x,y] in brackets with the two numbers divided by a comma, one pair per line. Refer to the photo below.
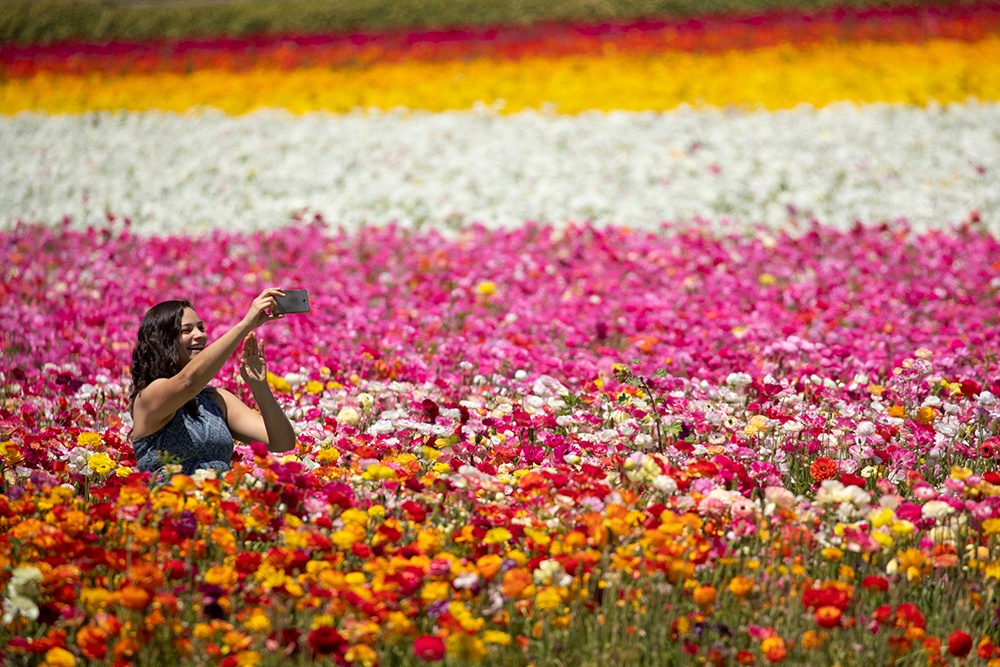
[774,649]
[325,640]
[874,583]
[823,468]
[828,616]
[429,648]
[959,644]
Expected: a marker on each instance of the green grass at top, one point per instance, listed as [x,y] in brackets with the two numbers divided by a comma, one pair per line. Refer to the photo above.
[49,21]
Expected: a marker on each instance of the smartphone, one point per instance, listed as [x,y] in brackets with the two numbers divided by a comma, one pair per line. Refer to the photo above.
[294,301]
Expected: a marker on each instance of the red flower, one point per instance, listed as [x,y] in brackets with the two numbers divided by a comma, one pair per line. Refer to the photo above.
[988,449]
[874,583]
[882,613]
[959,644]
[992,477]
[908,616]
[247,562]
[823,468]
[848,479]
[429,648]
[828,616]
[414,510]
[325,640]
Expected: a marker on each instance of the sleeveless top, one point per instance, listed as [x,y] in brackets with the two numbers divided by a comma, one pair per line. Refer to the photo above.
[201,442]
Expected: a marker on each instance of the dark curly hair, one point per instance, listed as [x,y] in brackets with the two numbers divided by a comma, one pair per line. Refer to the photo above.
[155,353]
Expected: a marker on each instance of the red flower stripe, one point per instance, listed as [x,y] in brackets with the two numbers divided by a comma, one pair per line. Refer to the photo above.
[703,34]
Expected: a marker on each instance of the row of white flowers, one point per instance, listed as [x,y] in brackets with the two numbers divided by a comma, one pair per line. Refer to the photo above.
[197,171]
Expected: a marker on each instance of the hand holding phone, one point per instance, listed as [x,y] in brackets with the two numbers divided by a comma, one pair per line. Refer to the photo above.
[294,301]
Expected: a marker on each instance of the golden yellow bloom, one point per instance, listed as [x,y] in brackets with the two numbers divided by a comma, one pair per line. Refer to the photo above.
[832,553]
[59,657]
[496,637]
[959,472]
[548,598]
[497,535]
[88,440]
[486,288]
[100,462]
[434,591]
[991,526]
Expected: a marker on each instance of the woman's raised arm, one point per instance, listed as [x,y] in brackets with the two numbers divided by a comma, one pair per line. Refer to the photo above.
[157,403]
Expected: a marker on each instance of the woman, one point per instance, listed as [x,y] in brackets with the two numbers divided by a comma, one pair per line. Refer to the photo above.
[176,417]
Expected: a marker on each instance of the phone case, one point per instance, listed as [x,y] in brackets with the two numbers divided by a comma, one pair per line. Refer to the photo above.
[294,301]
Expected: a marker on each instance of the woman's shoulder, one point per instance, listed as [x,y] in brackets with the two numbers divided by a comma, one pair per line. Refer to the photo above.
[218,396]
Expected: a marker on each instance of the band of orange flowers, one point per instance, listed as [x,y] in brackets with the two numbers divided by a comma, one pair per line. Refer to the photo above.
[774,77]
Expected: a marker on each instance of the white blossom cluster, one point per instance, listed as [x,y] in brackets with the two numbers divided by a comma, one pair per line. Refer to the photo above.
[738,169]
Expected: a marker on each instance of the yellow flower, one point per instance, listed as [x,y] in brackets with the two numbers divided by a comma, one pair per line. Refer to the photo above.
[832,553]
[59,657]
[496,637]
[486,288]
[248,658]
[314,387]
[960,473]
[433,591]
[100,463]
[88,440]
[258,622]
[328,455]
[497,536]
[548,598]
[991,526]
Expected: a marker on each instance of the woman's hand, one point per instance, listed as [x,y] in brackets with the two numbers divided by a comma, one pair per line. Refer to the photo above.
[253,368]
[264,308]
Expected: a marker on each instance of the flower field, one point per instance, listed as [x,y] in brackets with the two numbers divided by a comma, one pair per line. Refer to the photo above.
[648,363]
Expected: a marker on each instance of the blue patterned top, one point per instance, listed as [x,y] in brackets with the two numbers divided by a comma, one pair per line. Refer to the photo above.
[197,443]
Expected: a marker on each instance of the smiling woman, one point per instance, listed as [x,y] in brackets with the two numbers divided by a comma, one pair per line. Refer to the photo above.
[177,417]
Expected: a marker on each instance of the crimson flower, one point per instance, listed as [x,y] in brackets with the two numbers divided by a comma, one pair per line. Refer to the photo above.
[429,648]
[959,644]
[325,640]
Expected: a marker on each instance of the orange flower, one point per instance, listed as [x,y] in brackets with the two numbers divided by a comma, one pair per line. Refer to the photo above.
[133,597]
[515,582]
[741,586]
[93,642]
[146,576]
[823,468]
[704,596]
[774,649]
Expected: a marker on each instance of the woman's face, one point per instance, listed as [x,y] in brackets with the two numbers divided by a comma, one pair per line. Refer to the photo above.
[192,339]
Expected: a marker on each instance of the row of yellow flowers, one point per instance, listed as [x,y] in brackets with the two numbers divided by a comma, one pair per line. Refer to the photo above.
[776,77]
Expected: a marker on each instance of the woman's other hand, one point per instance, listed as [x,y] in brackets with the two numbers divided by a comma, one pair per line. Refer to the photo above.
[253,368]
[264,308]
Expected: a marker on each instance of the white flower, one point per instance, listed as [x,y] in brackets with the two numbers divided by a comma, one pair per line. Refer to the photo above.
[934,509]
[348,416]
[864,429]
[792,427]
[465,580]
[366,400]
[738,380]
[665,484]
